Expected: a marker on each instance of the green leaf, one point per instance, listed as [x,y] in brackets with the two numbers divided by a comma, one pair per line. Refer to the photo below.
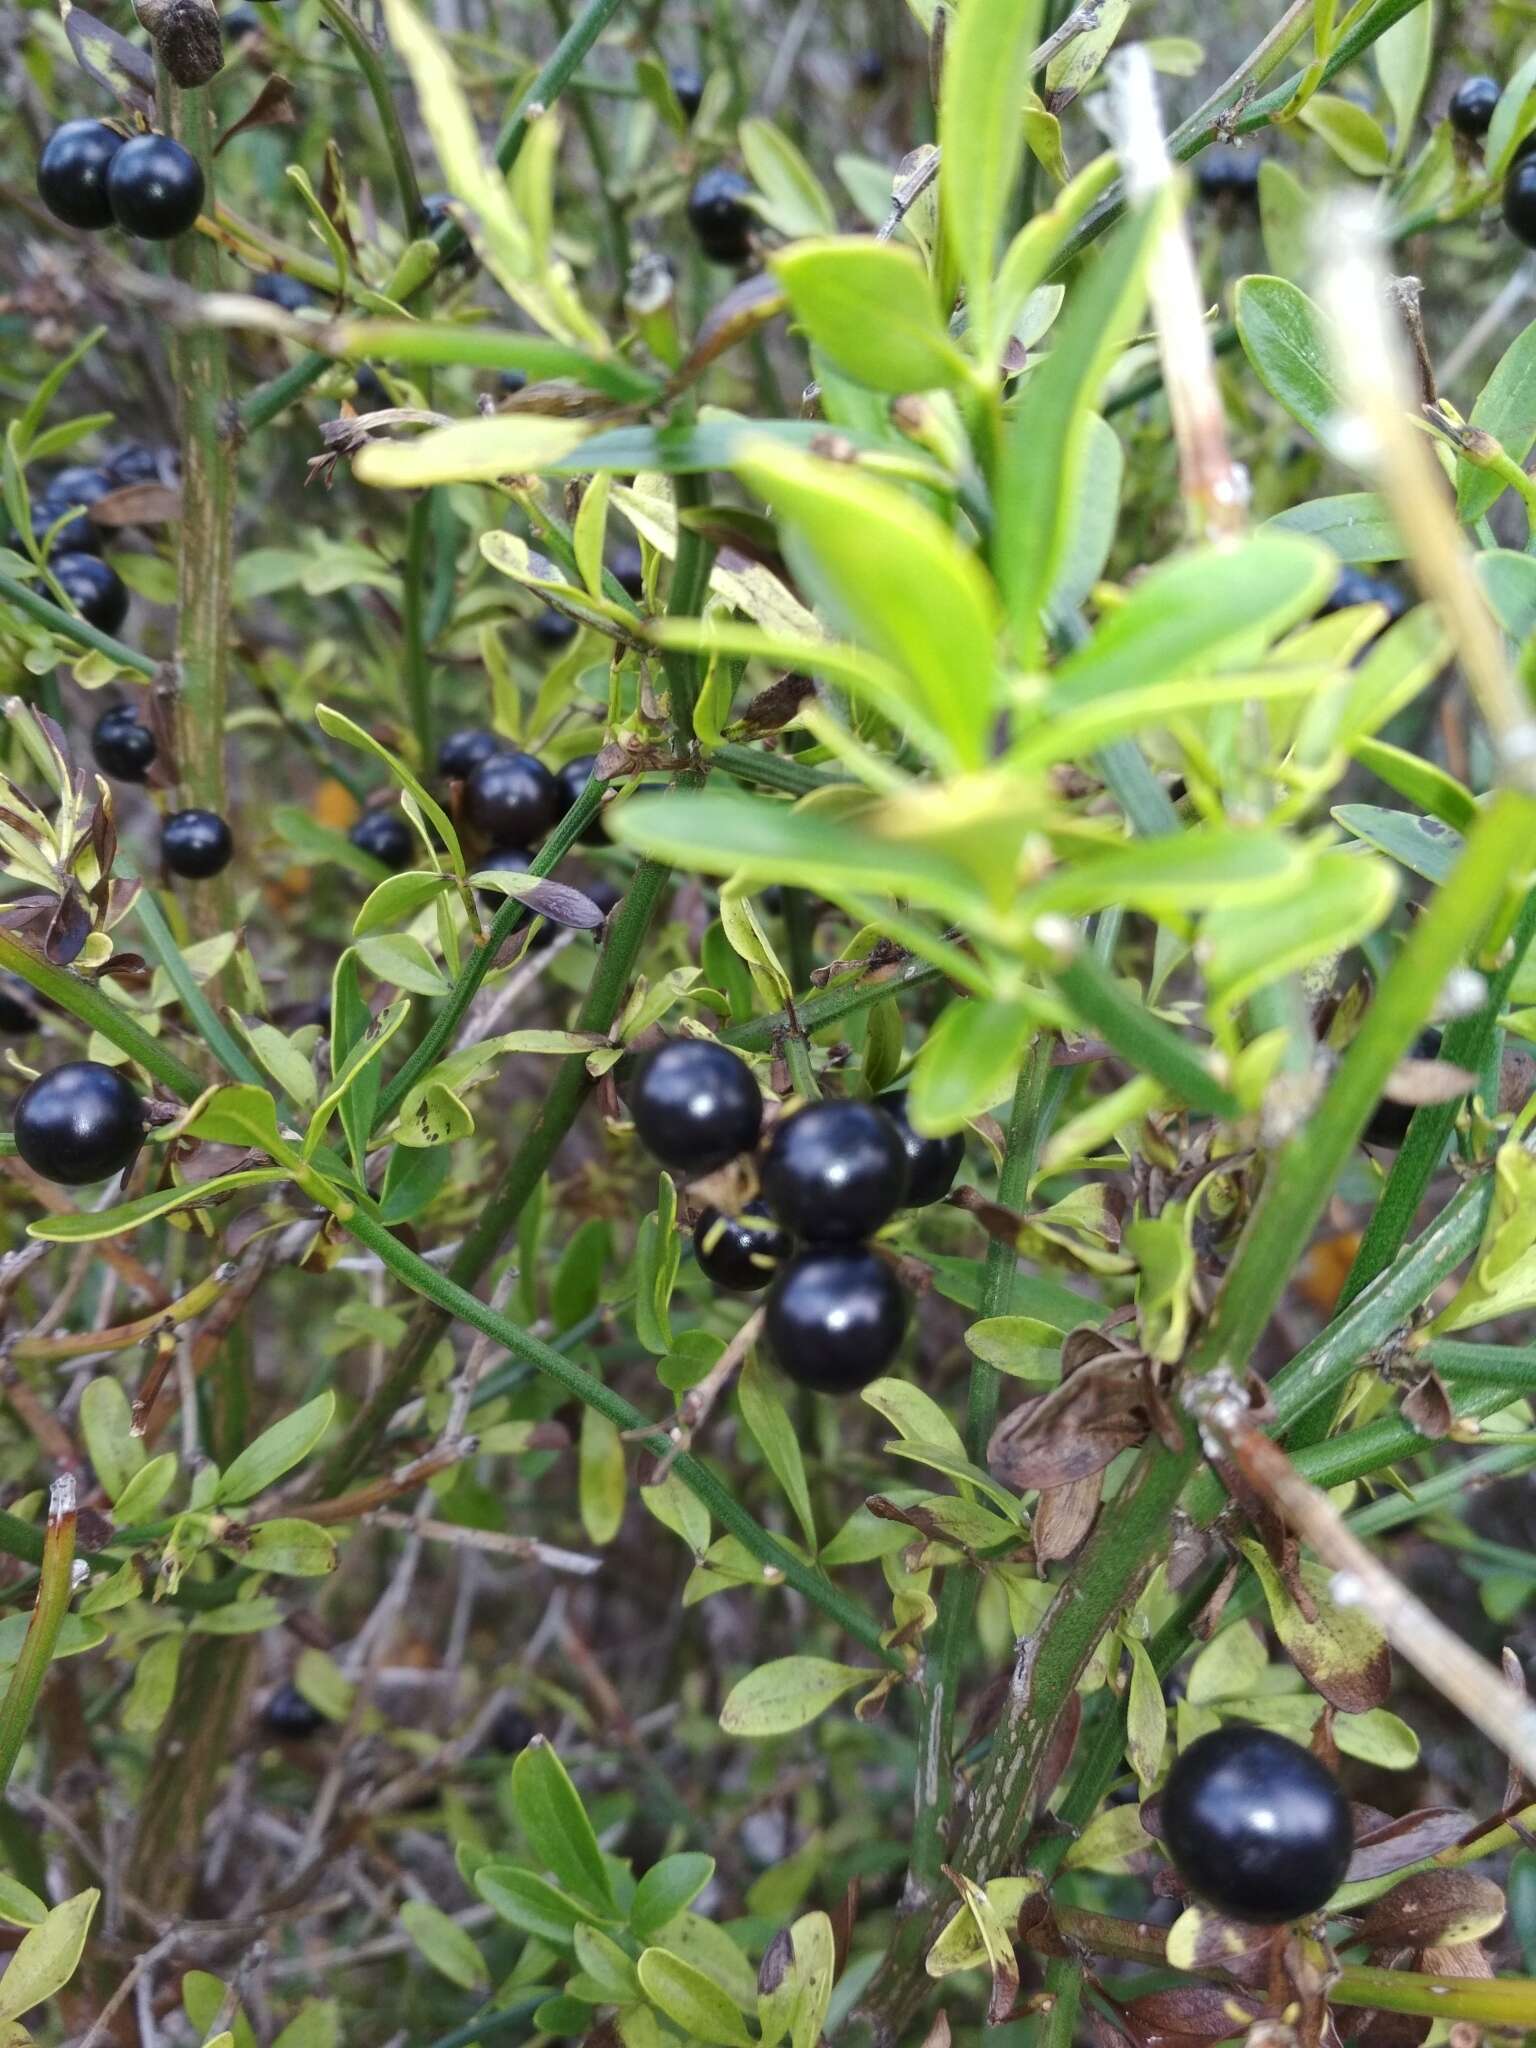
[1020,1345]
[90,1225]
[601,1477]
[690,1999]
[1358,526]
[765,1415]
[1286,214]
[1282,334]
[1048,438]
[1509,582]
[47,1956]
[1403,58]
[403,962]
[1230,1665]
[1146,1722]
[398,899]
[1505,408]
[1422,782]
[281,1058]
[868,306]
[294,1549]
[1352,134]
[1424,846]
[915,1416]
[798,2003]
[985,81]
[340,727]
[316,2024]
[1340,1651]
[790,194]
[470,451]
[967,1063]
[554,1822]
[445,1944]
[144,1493]
[789,1693]
[914,593]
[532,1904]
[106,1421]
[277,1450]
[959,1945]
[20,1907]
[1090,519]
[667,1889]
[154,1685]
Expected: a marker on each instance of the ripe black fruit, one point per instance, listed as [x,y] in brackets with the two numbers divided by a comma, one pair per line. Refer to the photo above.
[196,844]
[511,1731]
[1228,174]
[371,394]
[735,1253]
[1256,1825]
[695,1105]
[1390,1120]
[386,835]
[512,799]
[719,216]
[835,1171]
[289,1714]
[279,289]
[462,752]
[155,187]
[869,71]
[1520,200]
[79,1123]
[81,484]
[94,588]
[123,744]
[72,173]
[553,629]
[1472,106]
[133,463]
[512,381]
[74,536]
[835,1318]
[687,88]
[241,23]
[932,1163]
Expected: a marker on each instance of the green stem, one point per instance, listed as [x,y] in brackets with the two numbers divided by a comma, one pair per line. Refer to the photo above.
[1151,1046]
[771,771]
[418,694]
[68,627]
[84,1000]
[371,65]
[31,1668]
[1508,1368]
[215,1032]
[829,1006]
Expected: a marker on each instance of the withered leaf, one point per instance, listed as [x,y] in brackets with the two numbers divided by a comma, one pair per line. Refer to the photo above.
[1064,1516]
[127,72]
[744,309]
[1428,1407]
[1073,1431]
[138,505]
[273,107]
[1414,1082]
[1435,1909]
[1341,1653]
[1393,1844]
[777,1957]
[1193,2012]
[68,928]
[777,705]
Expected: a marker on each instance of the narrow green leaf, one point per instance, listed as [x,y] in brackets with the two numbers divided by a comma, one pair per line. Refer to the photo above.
[555,1824]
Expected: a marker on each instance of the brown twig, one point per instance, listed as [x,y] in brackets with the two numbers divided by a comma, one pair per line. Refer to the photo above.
[696,1405]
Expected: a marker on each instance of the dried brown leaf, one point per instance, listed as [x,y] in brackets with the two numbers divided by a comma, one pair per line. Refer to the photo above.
[1435,1909]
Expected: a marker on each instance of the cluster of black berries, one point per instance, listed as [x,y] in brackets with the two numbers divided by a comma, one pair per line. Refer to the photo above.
[831,1174]
[194,844]
[95,589]
[1471,110]
[90,176]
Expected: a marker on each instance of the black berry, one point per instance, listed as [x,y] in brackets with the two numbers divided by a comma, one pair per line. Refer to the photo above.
[1390,1120]
[71,532]
[695,1105]
[687,88]
[386,835]
[835,1171]
[932,1163]
[512,799]
[241,23]
[81,484]
[1472,106]
[1228,174]
[94,588]
[79,1123]
[1520,201]
[738,1253]
[156,188]
[835,1318]
[1256,1825]
[72,173]
[289,1714]
[196,844]
[123,744]
[511,1731]
[371,395]
[462,752]
[720,217]
[133,463]
[512,381]
[279,289]
[553,629]
[869,71]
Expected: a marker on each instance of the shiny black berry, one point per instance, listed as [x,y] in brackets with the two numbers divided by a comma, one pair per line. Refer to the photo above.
[1228,174]
[1256,1825]
[512,381]
[60,530]
[512,799]
[1472,106]
[687,88]
[279,289]
[720,217]
[79,1123]
[932,1163]
[123,744]
[1520,201]
[1390,1120]
[553,629]
[371,394]
[155,187]
[511,1731]
[462,752]
[740,1252]
[835,1318]
[289,1714]
[835,1171]
[386,835]
[72,173]
[241,24]
[94,588]
[133,463]
[81,484]
[196,844]
[695,1105]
